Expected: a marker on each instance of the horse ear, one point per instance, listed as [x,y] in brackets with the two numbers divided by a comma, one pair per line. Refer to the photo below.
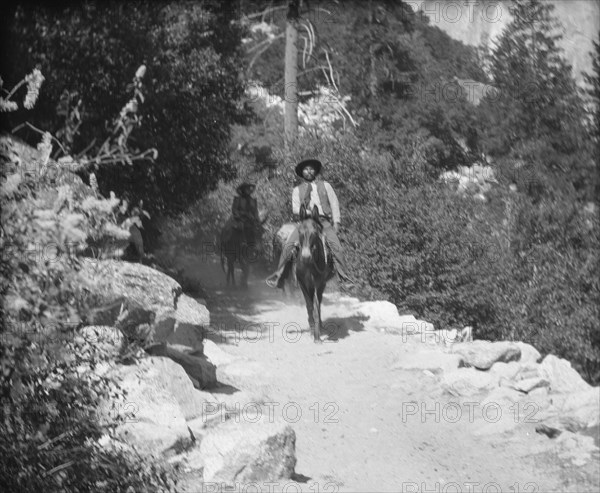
[302,212]
[315,213]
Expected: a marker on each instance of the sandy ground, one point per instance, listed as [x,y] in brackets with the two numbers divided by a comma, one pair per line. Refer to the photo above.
[360,424]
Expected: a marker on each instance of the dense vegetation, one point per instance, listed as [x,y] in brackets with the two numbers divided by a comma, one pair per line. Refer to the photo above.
[524,264]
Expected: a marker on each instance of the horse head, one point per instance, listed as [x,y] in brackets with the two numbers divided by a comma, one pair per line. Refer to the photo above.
[311,238]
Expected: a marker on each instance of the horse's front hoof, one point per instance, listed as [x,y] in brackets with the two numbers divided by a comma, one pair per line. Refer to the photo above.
[318,341]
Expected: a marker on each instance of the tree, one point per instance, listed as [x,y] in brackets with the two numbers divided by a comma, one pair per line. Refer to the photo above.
[593,90]
[291,72]
[193,87]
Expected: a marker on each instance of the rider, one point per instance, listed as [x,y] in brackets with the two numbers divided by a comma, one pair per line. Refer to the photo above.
[245,212]
[313,192]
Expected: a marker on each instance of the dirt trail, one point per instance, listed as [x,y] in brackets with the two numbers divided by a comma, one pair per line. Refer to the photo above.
[360,424]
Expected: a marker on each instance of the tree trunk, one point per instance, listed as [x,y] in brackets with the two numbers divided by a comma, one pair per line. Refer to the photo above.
[291,73]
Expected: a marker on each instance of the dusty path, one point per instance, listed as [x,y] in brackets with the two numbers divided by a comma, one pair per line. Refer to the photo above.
[360,424]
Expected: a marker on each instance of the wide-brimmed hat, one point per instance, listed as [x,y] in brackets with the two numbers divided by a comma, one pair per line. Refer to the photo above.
[315,163]
[246,184]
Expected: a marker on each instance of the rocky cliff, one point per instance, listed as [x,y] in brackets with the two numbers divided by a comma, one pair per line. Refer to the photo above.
[474,21]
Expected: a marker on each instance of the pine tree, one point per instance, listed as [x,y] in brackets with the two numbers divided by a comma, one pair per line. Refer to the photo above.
[593,90]
[527,65]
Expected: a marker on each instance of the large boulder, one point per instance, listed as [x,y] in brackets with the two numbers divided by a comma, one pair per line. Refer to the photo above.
[468,381]
[561,375]
[384,315]
[202,372]
[190,318]
[248,452]
[483,354]
[581,410]
[126,295]
[158,398]
[529,354]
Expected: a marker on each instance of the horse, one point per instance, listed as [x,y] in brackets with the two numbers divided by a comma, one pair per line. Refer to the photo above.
[314,266]
[279,240]
[234,247]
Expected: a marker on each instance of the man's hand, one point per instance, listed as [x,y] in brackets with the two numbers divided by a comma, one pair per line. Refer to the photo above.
[336,226]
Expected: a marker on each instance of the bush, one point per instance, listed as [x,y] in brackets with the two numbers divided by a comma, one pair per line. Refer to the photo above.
[49,388]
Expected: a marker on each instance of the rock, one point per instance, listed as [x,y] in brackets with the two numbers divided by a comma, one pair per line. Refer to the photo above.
[190,318]
[483,354]
[215,354]
[506,370]
[561,375]
[433,361]
[575,447]
[384,315]
[159,396]
[126,295]
[202,372]
[244,452]
[529,354]
[110,279]
[503,396]
[468,381]
[529,384]
[580,410]
[548,431]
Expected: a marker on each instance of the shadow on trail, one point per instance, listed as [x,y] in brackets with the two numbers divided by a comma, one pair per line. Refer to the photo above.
[336,328]
[250,313]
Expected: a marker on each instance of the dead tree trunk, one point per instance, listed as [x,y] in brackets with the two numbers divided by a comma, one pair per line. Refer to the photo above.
[291,73]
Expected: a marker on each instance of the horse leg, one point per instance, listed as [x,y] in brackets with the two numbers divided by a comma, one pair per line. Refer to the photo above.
[318,301]
[309,300]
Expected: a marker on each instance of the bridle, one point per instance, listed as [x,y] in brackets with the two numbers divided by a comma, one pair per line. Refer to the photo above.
[308,236]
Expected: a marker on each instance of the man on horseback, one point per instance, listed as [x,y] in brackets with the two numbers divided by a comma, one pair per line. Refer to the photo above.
[312,192]
[245,212]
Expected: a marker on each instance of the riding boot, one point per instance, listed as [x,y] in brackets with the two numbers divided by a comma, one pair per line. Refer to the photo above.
[338,255]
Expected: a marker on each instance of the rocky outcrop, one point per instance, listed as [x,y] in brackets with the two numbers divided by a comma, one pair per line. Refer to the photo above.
[158,396]
[483,354]
[249,452]
[202,372]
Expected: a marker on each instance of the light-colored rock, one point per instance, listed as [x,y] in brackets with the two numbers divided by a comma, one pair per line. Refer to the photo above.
[561,375]
[529,354]
[483,354]
[111,279]
[190,318]
[506,370]
[244,452]
[434,361]
[215,354]
[529,384]
[468,381]
[158,396]
[581,409]
[384,315]
[202,372]
[576,448]
[504,397]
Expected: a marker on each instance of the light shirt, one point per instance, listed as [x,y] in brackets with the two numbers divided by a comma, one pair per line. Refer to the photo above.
[315,200]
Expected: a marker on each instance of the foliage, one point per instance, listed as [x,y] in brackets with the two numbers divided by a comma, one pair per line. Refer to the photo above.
[52,380]
[539,106]
[192,78]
